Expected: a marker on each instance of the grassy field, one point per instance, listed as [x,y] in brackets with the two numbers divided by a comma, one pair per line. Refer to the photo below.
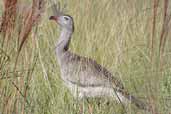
[119,34]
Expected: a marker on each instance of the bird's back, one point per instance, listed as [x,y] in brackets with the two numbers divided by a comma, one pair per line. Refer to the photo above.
[84,71]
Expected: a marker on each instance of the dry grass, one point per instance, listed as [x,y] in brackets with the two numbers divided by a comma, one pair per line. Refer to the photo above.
[157,50]
[131,38]
[18,81]
[9,17]
[30,19]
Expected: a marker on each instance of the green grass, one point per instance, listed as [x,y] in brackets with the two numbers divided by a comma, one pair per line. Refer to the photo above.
[116,33]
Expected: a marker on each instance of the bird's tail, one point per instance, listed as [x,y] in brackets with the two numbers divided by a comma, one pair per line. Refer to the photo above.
[137,102]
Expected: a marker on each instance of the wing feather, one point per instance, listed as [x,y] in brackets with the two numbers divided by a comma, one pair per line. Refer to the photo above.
[84,71]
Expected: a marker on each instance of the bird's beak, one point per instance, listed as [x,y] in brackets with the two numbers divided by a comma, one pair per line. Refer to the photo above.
[55,18]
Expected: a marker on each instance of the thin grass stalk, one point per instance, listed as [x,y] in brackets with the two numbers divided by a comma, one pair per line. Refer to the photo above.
[153,44]
[166,36]
[155,4]
[163,31]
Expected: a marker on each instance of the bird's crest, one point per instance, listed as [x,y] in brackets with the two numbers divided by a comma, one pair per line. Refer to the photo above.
[57,9]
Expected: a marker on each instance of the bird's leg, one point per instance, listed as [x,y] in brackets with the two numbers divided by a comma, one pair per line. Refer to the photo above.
[81,108]
[90,108]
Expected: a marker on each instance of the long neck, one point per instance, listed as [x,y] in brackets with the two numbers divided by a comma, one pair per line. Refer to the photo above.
[63,42]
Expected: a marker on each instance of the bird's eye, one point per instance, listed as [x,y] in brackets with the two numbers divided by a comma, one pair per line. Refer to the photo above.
[66,18]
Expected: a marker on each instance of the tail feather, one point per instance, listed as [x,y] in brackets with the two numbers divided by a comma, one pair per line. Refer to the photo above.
[137,102]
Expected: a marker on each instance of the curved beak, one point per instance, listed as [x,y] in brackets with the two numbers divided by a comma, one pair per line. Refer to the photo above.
[55,18]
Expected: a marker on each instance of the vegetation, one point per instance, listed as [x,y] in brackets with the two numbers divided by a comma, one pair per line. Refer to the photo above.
[130,38]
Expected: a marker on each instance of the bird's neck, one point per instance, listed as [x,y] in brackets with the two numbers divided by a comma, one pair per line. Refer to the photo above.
[64,41]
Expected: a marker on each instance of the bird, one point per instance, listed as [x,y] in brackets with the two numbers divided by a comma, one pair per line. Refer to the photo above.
[83,76]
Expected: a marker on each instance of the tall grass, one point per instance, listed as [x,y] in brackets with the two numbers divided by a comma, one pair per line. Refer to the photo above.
[130,38]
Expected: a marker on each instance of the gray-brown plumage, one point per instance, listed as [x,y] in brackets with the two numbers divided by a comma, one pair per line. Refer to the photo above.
[84,76]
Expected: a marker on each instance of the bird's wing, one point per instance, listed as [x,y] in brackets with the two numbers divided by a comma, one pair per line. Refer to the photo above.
[87,72]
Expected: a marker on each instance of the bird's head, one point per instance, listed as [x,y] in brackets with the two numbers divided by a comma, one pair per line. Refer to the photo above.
[65,21]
